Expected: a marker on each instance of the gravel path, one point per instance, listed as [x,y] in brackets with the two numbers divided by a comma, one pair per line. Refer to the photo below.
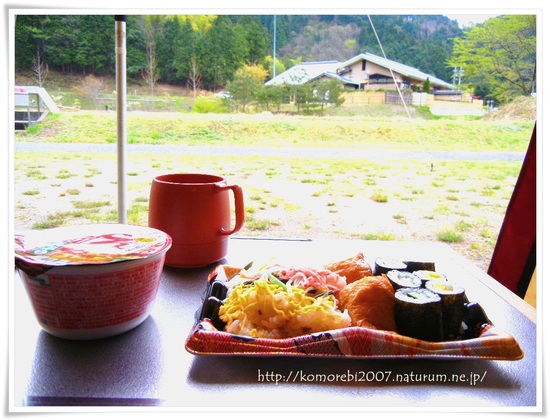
[340,153]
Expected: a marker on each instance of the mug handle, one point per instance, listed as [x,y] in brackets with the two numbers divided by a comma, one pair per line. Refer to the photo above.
[239,208]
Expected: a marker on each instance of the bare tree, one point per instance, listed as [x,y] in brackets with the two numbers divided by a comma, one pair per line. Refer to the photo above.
[150,73]
[150,25]
[40,68]
[194,81]
[92,87]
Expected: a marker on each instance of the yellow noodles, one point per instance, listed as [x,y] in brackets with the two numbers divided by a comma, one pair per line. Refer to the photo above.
[264,309]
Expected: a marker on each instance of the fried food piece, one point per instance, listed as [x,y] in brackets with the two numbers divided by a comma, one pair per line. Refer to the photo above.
[353,268]
[224,272]
[370,303]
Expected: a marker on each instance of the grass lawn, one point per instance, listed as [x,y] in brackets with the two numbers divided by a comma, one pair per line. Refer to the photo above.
[284,131]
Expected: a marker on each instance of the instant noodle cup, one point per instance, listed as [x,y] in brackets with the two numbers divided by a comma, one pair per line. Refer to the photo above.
[91,281]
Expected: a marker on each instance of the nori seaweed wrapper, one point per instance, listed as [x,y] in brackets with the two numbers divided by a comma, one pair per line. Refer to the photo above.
[413,266]
[452,306]
[474,320]
[403,279]
[418,314]
[383,265]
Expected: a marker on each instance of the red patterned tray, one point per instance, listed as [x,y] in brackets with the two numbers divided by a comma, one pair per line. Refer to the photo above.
[208,338]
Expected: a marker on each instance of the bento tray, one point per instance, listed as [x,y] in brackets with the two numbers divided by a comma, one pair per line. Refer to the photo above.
[484,340]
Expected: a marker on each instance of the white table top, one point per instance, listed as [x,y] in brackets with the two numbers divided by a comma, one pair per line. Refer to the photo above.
[150,366]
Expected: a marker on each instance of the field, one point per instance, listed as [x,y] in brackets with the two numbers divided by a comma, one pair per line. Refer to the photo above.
[460,202]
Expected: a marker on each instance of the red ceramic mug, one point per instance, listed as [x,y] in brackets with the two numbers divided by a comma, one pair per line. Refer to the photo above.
[195,210]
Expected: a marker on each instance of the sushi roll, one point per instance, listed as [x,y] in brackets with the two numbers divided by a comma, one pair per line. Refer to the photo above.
[426,275]
[418,314]
[475,319]
[452,306]
[403,279]
[383,265]
[413,266]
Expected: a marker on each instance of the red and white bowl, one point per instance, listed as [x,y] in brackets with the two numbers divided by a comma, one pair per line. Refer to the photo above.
[91,281]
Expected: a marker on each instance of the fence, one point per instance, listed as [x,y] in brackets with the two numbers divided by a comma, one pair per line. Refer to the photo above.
[437,106]
[143,104]
[362,97]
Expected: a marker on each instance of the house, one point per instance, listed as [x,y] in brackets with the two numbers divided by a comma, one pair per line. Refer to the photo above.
[310,71]
[364,71]
[373,79]
[374,72]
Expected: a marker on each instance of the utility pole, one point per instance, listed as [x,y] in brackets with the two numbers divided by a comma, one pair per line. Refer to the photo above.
[458,72]
[120,34]
[274,46]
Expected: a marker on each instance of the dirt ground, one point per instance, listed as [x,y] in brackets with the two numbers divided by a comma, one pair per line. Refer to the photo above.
[284,205]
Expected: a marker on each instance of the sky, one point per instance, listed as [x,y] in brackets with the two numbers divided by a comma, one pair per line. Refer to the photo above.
[467,20]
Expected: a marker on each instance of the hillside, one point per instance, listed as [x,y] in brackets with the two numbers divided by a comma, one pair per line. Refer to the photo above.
[408,39]
[212,48]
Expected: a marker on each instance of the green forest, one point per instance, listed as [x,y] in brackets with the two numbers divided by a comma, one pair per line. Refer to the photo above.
[209,50]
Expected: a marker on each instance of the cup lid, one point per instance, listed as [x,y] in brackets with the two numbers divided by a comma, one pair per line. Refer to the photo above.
[89,244]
